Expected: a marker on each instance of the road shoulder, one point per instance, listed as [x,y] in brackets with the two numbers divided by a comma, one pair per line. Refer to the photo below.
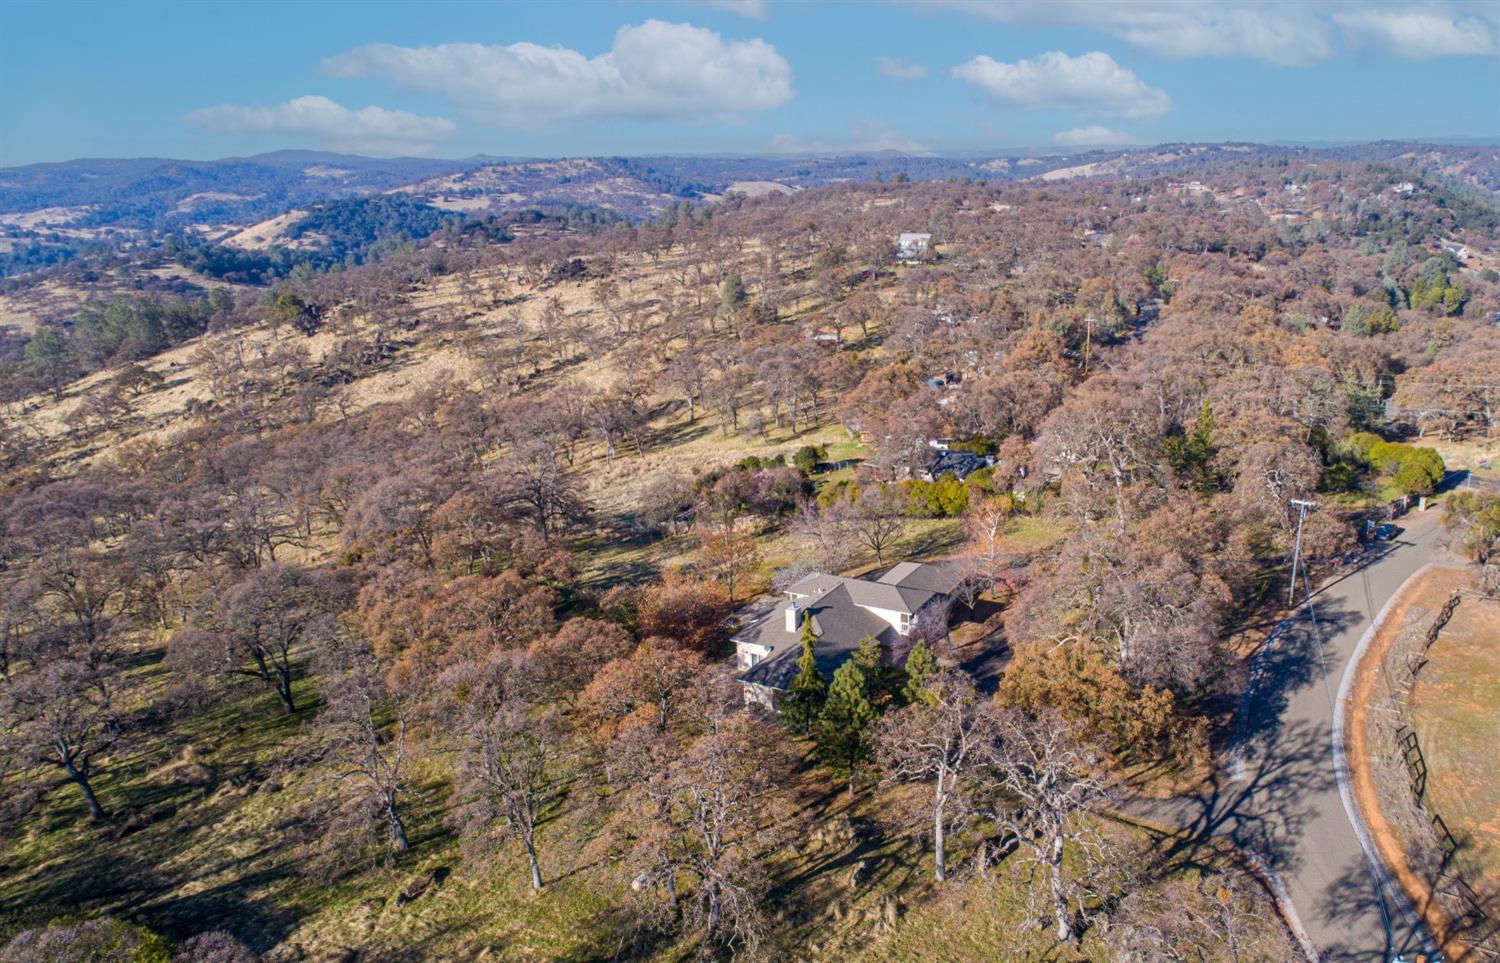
[1351,745]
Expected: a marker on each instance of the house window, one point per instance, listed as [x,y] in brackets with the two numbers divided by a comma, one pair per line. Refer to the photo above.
[905,620]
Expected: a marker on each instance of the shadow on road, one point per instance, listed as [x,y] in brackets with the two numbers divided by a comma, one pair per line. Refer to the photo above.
[1283,773]
[1355,893]
[1264,814]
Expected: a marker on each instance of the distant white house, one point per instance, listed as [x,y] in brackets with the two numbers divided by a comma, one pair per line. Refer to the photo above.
[912,247]
[1459,251]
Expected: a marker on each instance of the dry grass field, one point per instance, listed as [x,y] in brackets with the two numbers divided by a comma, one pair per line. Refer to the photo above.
[1456,712]
[1435,733]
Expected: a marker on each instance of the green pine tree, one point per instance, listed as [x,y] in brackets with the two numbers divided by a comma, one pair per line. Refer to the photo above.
[921,666]
[842,745]
[882,681]
[732,297]
[869,658]
[804,698]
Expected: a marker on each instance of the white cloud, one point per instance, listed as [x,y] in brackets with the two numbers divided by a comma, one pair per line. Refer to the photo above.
[900,69]
[654,71]
[329,124]
[1285,34]
[753,9]
[1094,136]
[1091,83]
[1416,35]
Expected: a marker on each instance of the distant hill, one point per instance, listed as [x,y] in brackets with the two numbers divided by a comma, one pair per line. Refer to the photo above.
[58,212]
[148,193]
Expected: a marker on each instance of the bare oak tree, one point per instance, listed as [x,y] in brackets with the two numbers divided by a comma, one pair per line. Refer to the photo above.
[362,729]
[513,766]
[943,743]
[713,816]
[58,713]
[1054,781]
[254,627]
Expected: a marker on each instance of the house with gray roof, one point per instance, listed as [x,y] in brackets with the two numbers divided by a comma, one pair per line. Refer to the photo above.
[959,464]
[909,601]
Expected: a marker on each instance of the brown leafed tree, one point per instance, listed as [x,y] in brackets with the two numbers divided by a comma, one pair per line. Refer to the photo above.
[727,555]
[690,610]
[1078,679]
[424,625]
[561,666]
[652,688]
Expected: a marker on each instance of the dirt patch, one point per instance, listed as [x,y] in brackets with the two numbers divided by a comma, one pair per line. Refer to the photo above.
[1379,757]
[761,188]
[267,233]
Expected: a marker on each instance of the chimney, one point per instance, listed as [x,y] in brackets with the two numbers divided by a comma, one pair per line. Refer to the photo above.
[793,616]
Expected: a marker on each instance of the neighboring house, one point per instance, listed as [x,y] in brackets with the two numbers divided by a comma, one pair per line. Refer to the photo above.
[910,600]
[911,247]
[959,464]
[949,379]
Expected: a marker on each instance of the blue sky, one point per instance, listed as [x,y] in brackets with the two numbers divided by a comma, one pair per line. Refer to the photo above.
[737,76]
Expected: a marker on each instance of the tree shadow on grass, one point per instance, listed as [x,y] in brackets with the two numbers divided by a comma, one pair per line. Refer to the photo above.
[260,923]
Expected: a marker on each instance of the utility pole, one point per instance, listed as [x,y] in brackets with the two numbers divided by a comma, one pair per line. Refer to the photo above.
[1302,507]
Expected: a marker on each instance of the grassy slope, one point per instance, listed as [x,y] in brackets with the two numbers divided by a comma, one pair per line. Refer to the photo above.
[1454,713]
[225,853]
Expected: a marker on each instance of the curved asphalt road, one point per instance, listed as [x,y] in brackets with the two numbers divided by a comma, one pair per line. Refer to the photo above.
[1280,800]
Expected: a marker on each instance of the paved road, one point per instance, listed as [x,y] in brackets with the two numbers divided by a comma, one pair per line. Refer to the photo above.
[1281,801]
